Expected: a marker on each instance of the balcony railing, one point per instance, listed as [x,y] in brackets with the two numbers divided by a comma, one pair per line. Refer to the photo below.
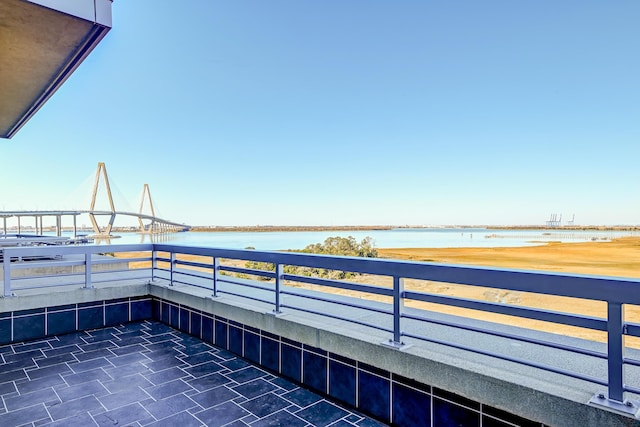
[223,272]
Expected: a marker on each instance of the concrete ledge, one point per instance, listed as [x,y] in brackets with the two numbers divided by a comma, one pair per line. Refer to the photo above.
[72,295]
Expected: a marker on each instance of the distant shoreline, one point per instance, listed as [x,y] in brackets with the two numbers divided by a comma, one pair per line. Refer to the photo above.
[274,228]
[294,228]
[298,228]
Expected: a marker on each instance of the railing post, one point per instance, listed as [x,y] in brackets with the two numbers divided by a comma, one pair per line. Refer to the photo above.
[614,399]
[154,264]
[216,268]
[87,271]
[173,261]
[398,306]
[615,347]
[279,274]
[6,263]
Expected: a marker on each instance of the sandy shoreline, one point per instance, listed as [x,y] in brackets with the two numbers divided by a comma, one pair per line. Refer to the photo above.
[619,257]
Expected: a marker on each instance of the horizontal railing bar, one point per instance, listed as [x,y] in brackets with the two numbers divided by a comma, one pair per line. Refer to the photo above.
[333,301]
[245,284]
[194,264]
[204,276]
[250,271]
[46,276]
[631,389]
[193,273]
[191,284]
[118,260]
[510,310]
[145,277]
[632,329]
[79,282]
[222,267]
[95,274]
[592,353]
[510,359]
[620,290]
[378,290]
[27,287]
[89,249]
[633,362]
[73,274]
[38,264]
[333,316]
[109,272]
[245,296]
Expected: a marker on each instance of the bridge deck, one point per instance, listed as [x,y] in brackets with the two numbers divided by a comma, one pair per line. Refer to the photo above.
[38,215]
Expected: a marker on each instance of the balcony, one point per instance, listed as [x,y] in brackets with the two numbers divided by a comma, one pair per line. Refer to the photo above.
[367,346]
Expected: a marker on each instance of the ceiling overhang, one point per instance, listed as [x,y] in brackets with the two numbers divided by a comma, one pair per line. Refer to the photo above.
[41,43]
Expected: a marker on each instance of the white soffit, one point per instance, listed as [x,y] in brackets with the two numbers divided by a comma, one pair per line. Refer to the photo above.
[41,43]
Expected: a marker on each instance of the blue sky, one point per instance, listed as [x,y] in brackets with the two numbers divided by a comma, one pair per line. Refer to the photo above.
[347,112]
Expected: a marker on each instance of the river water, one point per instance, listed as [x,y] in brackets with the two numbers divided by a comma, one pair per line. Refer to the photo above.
[394,238]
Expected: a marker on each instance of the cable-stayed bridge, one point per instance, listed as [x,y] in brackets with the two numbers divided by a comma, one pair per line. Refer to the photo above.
[154,224]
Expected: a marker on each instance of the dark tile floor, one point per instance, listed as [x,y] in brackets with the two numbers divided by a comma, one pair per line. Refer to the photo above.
[148,374]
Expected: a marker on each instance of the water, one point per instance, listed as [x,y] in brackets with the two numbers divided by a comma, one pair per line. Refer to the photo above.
[395,238]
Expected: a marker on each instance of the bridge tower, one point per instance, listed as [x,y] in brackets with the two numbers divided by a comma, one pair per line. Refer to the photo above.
[92,215]
[146,194]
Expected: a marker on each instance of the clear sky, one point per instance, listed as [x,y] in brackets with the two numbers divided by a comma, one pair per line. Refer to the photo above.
[289,112]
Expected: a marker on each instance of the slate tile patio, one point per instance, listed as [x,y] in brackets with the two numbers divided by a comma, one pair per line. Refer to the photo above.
[148,374]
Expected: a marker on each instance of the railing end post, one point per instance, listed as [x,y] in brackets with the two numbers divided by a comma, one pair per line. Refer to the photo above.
[172,267]
[216,269]
[398,306]
[154,264]
[6,273]
[615,352]
[87,271]
[279,270]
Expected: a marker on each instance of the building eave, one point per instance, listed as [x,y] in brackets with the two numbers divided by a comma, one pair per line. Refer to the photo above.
[42,43]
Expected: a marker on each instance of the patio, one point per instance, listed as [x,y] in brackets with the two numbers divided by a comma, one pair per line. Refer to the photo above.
[148,374]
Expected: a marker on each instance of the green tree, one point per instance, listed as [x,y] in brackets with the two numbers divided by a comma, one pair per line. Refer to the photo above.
[341,246]
[345,246]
